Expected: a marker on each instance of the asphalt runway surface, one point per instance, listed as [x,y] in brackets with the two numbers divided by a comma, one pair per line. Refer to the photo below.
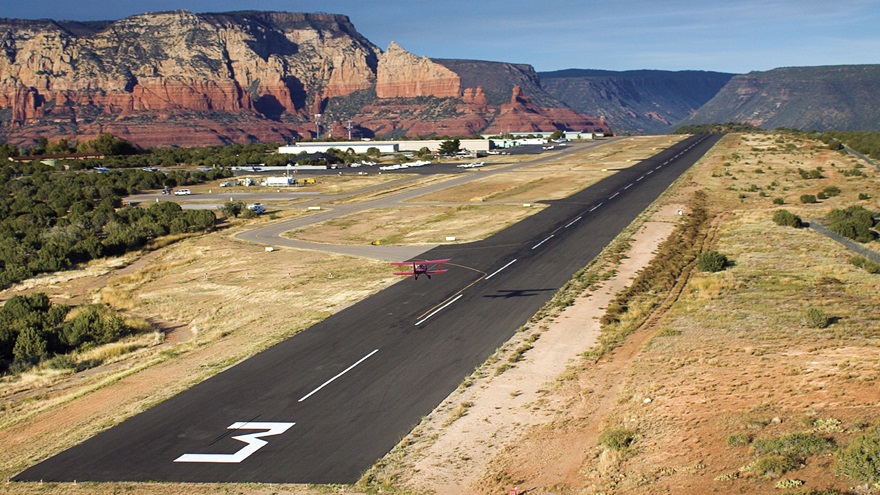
[324,405]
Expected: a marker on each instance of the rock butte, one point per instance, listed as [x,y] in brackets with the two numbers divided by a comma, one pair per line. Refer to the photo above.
[178,78]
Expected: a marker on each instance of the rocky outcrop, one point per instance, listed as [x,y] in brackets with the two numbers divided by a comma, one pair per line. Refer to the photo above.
[522,115]
[178,78]
[404,75]
[264,64]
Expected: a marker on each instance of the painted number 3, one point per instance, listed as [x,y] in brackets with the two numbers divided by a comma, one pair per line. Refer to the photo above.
[253,440]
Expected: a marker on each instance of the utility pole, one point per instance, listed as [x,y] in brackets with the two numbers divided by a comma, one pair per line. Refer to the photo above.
[317,126]
[349,129]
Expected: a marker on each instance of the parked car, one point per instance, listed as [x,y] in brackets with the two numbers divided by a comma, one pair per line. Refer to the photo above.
[226,184]
[257,208]
[182,192]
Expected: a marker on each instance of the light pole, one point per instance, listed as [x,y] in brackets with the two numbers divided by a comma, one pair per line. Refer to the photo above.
[317,126]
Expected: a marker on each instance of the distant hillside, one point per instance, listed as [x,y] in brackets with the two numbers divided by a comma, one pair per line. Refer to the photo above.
[637,102]
[843,97]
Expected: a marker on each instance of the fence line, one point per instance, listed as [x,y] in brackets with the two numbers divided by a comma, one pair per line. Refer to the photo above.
[849,243]
[863,157]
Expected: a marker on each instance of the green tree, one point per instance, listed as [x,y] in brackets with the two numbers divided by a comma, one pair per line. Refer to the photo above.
[30,346]
[787,219]
[450,146]
[232,209]
[854,222]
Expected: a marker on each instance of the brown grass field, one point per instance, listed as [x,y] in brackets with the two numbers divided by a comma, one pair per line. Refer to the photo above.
[712,369]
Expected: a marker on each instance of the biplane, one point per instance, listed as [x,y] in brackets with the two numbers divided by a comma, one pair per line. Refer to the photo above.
[425,267]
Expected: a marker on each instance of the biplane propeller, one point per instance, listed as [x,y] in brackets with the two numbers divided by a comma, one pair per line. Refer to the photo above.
[424,267]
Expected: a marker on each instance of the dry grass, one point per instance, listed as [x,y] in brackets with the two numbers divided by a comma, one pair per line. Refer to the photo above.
[733,356]
[415,225]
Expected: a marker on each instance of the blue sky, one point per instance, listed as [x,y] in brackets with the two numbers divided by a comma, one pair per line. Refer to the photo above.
[736,36]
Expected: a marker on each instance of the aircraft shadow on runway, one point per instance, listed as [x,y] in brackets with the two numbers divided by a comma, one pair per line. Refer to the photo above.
[507,293]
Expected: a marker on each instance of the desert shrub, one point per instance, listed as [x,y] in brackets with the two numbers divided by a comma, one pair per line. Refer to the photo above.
[816,318]
[808,198]
[831,191]
[796,445]
[772,465]
[617,438]
[860,460]
[712,261]
[869,266]
[778,201]
[787,219]
[854,222]
[738,440]
[863,196]
[821,195]
[62,362]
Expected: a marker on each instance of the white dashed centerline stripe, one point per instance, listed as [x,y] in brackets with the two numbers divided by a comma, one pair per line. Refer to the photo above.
[573,222]
[614,195]
[595,207]
[346,370]
[628,186]
[499,270]
[542,242]
[441,308]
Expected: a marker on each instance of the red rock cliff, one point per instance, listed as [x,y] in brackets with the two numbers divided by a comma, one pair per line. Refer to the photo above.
[404,75]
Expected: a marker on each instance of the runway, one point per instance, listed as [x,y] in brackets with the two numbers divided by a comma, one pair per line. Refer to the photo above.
[324,405]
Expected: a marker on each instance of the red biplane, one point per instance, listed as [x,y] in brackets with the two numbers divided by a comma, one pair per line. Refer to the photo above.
[426,267]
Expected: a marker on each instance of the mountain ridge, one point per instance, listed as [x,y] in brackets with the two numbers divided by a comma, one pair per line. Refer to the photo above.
[820,98]
[178,78]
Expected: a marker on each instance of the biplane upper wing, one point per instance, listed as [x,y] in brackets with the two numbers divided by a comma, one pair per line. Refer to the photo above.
[429,267]
[421,262]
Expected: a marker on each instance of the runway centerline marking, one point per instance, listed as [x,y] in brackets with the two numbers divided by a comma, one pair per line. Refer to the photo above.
[628,186]
[346,370]
[496,272]
[573,222]
[542,242]
[614,195]
[595,207]
[441,308]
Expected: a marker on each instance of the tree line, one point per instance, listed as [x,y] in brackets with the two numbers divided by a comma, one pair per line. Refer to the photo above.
[52,219]
[33,329]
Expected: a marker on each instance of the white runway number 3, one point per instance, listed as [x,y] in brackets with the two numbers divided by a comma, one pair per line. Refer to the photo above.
[254,442]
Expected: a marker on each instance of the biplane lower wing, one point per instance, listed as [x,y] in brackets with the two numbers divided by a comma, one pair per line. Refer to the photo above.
[422,267]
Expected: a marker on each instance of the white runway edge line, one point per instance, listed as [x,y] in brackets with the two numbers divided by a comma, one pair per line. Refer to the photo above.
[441,308]
[496,272]
[346,370]
[542,242]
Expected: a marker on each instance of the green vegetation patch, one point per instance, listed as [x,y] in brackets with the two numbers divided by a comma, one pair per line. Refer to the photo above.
[32,329]
[860,459]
